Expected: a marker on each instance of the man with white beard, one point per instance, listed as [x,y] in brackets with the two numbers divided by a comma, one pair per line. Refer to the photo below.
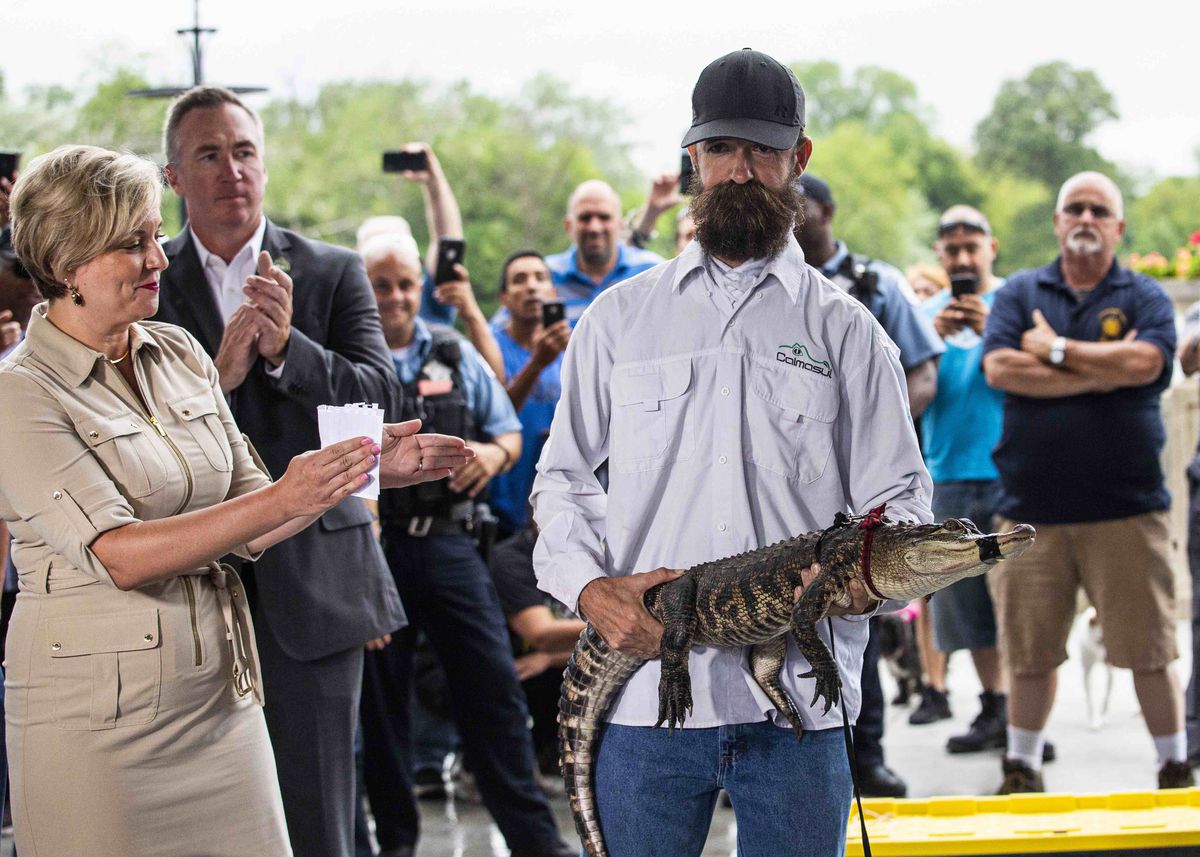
[1082,348]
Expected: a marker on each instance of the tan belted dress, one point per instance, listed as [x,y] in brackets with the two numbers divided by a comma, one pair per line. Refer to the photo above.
[135,726]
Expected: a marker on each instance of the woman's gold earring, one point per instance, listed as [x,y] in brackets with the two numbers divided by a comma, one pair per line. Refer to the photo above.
[76,298]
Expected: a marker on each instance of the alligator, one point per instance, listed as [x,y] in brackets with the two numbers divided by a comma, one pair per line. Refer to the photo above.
[749,600]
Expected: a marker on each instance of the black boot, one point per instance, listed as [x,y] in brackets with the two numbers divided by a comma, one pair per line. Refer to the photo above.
[989,731]
[934,706]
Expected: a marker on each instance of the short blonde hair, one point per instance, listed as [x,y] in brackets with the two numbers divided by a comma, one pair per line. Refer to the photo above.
[75,203]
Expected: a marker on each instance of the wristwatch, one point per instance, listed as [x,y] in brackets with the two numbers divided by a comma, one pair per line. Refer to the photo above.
[1058,351]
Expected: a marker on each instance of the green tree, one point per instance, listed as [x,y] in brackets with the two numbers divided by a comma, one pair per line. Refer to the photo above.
[1039,125]
[880,211]
[868,95]
[512,163]
[1165,217]
[1021,213]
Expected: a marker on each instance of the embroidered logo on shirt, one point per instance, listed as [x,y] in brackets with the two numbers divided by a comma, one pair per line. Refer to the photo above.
[1113,324]
[797,355]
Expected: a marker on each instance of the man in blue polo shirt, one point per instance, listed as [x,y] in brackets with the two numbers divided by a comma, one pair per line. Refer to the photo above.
[597,257]
[884,291]
[1083,348]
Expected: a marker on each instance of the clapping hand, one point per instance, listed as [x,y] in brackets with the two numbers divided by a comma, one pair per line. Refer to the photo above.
[238,349]
[269,292]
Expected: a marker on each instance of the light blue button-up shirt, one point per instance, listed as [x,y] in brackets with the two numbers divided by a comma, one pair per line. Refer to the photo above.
[486,397]
[728,425]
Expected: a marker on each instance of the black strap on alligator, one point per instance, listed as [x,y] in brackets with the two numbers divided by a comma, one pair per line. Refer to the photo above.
[868,524]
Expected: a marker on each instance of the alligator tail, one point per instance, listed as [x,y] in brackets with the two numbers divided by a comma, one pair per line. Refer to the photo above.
[592,679]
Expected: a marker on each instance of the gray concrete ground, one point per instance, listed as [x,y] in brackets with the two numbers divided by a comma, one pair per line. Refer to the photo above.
[1117,757]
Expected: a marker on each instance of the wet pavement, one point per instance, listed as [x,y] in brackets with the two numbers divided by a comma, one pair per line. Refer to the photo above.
[1118,756]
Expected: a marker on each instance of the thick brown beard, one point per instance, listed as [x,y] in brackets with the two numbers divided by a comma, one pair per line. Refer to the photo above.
[744,221]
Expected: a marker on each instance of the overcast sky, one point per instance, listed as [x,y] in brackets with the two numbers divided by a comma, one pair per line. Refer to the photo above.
[645,56]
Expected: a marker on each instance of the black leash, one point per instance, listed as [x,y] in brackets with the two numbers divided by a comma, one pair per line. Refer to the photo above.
[851,756]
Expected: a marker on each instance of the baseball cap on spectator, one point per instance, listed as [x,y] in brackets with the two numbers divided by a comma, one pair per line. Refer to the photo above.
[815,189]
[750,96]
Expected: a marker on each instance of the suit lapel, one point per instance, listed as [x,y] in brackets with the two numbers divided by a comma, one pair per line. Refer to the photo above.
[277,244]
[190,296]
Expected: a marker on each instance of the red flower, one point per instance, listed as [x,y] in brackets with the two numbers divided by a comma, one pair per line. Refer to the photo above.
[1195,239]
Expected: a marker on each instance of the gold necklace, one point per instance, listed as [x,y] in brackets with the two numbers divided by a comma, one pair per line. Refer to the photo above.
[119,359]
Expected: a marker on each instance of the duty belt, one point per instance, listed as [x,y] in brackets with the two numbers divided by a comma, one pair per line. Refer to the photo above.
[460,519]
[427,525]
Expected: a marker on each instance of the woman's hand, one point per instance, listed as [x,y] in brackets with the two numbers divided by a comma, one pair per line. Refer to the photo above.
[409,458]
[317,481]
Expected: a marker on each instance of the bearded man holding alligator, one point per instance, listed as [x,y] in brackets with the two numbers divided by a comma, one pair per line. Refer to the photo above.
[717,445]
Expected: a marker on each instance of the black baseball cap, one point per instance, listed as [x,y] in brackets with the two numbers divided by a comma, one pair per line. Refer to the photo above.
[748,95]
[815,189]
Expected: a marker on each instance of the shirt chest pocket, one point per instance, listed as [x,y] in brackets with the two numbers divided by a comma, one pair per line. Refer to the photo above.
[652,421]
[788,423]
[127,452]
[106,669]
[197,412]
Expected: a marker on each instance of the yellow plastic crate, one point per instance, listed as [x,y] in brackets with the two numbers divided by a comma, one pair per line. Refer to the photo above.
[1126,824]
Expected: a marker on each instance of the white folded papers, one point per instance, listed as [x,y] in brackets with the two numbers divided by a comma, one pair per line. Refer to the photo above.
[343,422]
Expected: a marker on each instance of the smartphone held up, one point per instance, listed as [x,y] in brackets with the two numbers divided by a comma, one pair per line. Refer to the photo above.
[450,253]
[553,312]
[403,161]
[964,283]
[8,164]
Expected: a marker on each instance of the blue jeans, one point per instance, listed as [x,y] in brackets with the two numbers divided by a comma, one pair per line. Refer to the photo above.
[655,791]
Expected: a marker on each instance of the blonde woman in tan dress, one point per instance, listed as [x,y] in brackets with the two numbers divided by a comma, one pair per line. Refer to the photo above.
[133,705]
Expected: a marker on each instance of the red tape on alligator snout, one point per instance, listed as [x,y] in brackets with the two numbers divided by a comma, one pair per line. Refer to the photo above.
[873,519]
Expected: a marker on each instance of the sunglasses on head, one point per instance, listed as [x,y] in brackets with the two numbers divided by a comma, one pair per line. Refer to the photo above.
[1076,209]
[969,225]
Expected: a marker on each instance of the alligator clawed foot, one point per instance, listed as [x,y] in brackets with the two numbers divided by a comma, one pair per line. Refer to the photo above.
[828,685]
[674,705]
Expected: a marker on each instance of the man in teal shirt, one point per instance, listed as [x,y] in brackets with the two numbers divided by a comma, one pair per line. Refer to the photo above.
[959,430]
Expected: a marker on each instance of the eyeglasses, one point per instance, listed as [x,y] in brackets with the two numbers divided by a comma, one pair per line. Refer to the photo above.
[968,225]
[1076,209]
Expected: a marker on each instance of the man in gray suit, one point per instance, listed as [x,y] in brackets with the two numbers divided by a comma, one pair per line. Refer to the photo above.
[291,324]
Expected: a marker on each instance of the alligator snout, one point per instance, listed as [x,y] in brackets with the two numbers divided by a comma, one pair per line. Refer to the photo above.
[998,546]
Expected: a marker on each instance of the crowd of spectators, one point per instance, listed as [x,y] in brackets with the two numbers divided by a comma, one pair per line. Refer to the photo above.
[1017,389]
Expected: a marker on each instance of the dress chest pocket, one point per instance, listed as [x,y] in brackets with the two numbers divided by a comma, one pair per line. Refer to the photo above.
[788,422]
[106,669]
[198,413]
[652,421]
[128,453]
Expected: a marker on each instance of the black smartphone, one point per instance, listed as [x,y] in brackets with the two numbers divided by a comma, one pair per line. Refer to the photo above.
[398,162]
[963,284]
[685,172]
[553,312]
[8,164]
[450,253]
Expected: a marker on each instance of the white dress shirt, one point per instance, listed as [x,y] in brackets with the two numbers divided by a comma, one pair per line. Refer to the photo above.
[731,416]
[228,280]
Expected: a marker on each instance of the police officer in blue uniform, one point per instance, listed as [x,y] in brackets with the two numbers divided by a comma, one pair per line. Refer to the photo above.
[431,540]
